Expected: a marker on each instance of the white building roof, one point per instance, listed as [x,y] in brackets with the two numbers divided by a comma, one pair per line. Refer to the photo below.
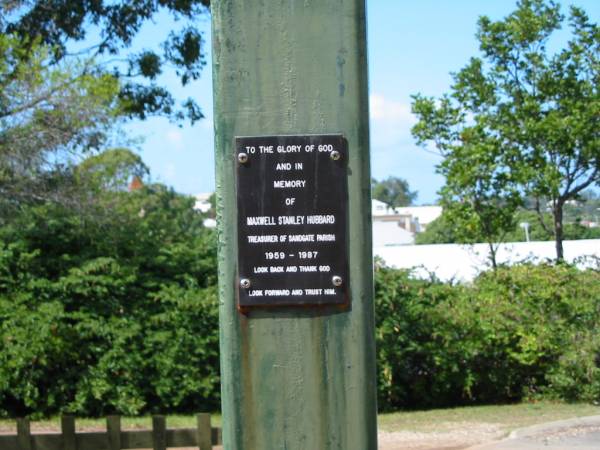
[202,204]
[379,208]
[423,214]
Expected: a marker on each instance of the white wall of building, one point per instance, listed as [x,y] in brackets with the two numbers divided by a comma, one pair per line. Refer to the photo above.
[390,233]
[424,215]
[379,208]
[464,262]
[202,202]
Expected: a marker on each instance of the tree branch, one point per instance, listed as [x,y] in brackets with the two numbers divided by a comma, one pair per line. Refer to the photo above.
[540,215]
[594,177]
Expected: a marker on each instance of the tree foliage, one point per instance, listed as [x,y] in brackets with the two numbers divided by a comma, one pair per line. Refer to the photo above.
[112,170]
[516,333]
[49,113]
[443,231]
[438,231]
[393,191]
[520,119]
[63,90]
[110,307]
[59,23]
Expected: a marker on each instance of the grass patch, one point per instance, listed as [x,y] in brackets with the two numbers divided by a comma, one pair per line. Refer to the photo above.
[127,423]
[507,417]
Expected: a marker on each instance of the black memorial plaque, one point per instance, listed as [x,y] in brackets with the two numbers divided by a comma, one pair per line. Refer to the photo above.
[292,197]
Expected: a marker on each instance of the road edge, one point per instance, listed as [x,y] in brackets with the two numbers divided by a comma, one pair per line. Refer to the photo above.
[541,428]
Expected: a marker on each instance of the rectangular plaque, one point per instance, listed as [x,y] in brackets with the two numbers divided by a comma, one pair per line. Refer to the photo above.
[292,197]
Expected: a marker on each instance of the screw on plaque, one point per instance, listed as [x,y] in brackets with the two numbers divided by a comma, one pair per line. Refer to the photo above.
[245,283]
[335,155]
[337,280]
[243,158]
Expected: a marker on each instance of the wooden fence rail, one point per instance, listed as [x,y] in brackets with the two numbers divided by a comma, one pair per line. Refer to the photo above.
[159,438]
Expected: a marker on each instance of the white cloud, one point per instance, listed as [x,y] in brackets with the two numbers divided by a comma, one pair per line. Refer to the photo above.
[391,122]
[385,110]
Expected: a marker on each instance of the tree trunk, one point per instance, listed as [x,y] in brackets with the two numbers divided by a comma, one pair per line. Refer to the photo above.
[558,229]
[493,255]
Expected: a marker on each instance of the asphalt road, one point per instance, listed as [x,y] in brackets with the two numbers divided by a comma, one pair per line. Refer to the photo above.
[576,434]
[587,441]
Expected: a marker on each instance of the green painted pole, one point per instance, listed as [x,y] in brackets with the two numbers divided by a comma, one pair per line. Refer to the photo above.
[295,380]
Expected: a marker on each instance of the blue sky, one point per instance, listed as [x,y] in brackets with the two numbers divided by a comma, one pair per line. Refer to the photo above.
[413,46]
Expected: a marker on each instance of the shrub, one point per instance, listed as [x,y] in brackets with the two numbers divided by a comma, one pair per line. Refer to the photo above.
[109,310]
[519,331]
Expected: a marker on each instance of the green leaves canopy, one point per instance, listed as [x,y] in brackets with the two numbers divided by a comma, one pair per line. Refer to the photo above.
[520,120]
[50,113]
[110,307]
[393,191]
[58,23]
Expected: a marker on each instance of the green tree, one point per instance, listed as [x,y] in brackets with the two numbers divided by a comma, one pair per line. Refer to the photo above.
[49,114]
[393,191]
[479,197]
[112,170]
[57,104]
[442,231]
[110,307]
[60,23]
[536,113]
[439,231]
[479,200]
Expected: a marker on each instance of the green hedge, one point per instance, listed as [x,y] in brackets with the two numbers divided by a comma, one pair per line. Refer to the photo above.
[113,318]
[519,332]
[92,364]
[110,309]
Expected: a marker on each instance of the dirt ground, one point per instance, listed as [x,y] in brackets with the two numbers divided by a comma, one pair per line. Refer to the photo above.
[461,435]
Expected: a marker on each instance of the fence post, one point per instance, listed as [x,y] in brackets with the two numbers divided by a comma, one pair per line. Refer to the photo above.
[23,434]
[204,431]
[113,428]
[159,433]
[67,425]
